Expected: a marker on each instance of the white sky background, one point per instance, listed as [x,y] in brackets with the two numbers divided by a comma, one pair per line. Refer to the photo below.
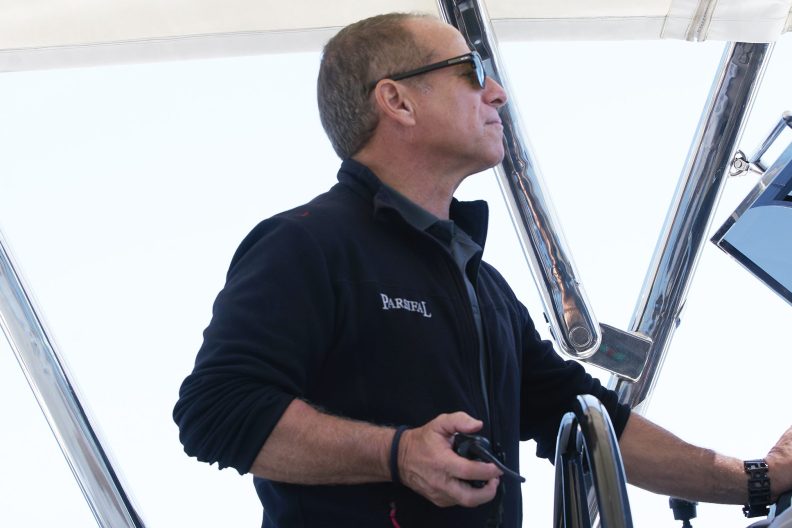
[125,190]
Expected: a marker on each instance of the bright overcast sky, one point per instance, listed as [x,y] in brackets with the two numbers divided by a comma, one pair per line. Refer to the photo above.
[125,190]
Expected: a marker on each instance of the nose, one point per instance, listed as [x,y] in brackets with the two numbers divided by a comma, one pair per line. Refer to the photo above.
[494,93]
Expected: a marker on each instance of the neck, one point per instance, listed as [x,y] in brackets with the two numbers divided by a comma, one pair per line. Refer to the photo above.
[426,186]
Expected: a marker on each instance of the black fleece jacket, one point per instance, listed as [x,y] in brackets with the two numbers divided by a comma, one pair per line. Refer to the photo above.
[342,303]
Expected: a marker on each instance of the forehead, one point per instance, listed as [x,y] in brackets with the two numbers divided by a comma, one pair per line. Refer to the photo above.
[443,40]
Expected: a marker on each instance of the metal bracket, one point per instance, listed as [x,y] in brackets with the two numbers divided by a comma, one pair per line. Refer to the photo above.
[742,164]
[739,165]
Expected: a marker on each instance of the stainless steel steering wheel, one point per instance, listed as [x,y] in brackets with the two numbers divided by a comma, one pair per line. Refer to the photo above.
[590,476]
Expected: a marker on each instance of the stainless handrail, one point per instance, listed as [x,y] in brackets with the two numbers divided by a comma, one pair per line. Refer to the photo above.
[58,400]
[684,234]
[588,432]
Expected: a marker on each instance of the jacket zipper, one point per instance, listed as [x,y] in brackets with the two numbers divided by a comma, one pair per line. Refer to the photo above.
[495,518]
[480,355]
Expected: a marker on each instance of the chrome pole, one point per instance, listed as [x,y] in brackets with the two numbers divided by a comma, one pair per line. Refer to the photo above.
[682,239]
[59,402]
[575,329]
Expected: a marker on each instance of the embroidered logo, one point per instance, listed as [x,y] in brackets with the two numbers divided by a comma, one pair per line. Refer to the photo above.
[397,303]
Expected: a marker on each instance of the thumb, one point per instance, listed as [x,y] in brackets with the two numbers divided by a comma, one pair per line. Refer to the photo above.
[463,423]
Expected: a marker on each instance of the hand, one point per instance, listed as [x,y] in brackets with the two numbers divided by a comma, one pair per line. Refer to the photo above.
[779,463]
[429,466]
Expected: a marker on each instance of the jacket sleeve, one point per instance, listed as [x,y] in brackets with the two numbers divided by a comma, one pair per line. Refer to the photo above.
[271,325]
[549,388]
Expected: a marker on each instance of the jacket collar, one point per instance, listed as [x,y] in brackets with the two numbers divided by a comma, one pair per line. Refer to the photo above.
[471,217]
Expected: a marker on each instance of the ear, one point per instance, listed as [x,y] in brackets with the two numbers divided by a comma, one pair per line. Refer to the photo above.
[395,101]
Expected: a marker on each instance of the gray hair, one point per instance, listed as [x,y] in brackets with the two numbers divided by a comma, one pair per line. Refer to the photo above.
[357,56]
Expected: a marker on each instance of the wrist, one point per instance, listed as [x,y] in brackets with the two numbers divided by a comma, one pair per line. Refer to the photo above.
[779,476]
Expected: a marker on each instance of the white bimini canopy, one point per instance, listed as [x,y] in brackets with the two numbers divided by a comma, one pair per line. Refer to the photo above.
[43,34]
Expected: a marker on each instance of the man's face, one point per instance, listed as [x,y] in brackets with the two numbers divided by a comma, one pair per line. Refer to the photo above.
[456,119]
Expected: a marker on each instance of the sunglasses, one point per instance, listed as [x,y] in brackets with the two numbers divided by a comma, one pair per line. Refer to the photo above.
[473,58]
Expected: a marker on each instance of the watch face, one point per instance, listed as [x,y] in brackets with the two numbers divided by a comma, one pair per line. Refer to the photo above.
[751,465]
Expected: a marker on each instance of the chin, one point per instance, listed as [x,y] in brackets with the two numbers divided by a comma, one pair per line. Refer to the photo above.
[489,163]
[488,156]
[495,157]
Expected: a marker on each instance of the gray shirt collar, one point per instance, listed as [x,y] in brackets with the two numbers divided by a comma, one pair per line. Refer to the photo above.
[414,214]
[455,239]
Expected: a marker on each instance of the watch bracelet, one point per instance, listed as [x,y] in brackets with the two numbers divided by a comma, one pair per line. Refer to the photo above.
[758,488]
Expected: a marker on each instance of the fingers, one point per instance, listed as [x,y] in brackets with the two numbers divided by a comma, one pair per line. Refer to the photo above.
[466,495]
[464,469]
[451,491]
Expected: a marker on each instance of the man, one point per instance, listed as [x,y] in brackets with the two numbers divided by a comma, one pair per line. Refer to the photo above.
[356,334]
